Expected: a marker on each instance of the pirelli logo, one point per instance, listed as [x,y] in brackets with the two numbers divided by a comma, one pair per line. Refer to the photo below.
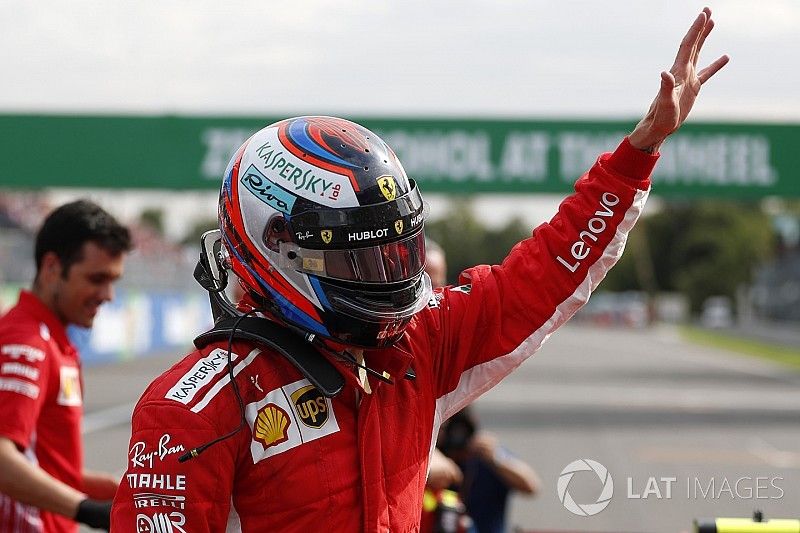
[155,499]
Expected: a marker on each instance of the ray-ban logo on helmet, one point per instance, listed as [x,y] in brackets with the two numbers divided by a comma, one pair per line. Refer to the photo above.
[326,235]
[388,187]
[398,226]
[585,509]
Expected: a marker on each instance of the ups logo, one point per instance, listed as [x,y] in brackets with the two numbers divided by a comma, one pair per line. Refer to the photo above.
[311,406]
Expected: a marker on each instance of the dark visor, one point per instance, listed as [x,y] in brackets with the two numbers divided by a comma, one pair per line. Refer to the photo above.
[384,263]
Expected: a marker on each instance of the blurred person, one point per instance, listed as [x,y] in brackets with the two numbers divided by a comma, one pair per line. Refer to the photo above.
[313,403]
[435,263]
[443,511]
[79,254]
[490,472]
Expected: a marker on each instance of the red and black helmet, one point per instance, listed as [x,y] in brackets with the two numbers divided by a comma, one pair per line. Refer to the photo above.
[322,225]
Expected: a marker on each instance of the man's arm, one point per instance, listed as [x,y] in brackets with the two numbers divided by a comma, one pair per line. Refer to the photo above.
[194,495]
[515,472]
[442,471]
[501,315]
[100,485]
[29,484]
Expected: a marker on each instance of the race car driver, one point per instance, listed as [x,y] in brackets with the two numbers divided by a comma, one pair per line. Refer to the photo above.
[313,406]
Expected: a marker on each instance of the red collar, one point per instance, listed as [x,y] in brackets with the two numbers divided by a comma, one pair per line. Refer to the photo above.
[31,304]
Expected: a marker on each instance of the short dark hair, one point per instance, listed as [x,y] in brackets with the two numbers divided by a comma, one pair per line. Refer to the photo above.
[457,432]
[70,226]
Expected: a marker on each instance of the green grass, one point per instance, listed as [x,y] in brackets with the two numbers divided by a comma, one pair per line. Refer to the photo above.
[780,354]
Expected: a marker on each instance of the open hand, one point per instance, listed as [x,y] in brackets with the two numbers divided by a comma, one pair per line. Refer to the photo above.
[679,88]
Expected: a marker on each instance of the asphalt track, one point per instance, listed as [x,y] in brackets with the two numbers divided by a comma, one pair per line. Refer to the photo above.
[643,403]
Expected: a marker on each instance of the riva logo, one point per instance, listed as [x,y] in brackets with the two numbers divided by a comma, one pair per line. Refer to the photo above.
[580,249]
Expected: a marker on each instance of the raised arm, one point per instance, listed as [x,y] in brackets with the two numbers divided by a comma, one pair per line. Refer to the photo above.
[501,315]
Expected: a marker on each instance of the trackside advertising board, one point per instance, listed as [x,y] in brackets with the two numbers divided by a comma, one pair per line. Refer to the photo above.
[456,156]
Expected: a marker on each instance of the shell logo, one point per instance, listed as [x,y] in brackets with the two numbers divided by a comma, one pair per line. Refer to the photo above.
[271,426]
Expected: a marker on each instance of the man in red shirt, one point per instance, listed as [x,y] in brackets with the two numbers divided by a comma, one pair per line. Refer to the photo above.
[313,406]
[43,487]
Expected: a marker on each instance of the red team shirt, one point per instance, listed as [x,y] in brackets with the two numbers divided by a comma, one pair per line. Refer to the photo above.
[40,407]
[357,462]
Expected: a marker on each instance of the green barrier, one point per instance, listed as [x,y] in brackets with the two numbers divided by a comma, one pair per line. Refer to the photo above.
[452,156]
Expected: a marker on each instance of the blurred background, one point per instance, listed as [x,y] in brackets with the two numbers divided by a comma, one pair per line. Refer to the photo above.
[684,364]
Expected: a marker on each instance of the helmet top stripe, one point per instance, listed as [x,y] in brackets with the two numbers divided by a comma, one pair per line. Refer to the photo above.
[298,133]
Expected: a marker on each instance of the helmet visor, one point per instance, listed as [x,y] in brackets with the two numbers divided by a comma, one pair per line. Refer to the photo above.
[384,263]
[343,228]
[380,306]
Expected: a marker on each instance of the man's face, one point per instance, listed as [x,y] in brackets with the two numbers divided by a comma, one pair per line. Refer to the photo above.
[78,293]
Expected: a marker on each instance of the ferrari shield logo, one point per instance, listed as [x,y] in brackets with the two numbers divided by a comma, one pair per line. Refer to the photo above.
[398,226]
[388,187]
[326,235]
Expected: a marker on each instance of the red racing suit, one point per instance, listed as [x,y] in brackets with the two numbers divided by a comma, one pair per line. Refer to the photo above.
[40,407]
[358,462]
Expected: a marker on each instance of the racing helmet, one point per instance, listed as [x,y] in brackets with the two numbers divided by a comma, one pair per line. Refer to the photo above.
[325,230]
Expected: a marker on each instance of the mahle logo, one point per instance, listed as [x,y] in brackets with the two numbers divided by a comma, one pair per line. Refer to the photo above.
[585,509]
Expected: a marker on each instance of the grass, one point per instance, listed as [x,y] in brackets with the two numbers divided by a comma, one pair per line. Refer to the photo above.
[781,354]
